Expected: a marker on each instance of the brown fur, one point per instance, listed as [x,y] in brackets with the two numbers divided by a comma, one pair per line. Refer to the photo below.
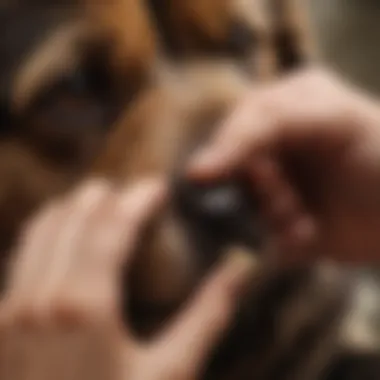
[131,36]
[191,27]
[67,70]
[165,87]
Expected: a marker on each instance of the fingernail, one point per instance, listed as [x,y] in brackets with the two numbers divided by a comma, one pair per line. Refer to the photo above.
[243,258]
[241,266]
[203,162]
[146,191]
[95,185]
[154,186]
[92,191]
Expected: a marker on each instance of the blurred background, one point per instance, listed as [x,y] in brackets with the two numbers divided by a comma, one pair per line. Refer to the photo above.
[348,34]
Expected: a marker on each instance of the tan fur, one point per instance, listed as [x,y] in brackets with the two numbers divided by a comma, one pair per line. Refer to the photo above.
[212,17]
[57,55]
[126,23]
[177,105]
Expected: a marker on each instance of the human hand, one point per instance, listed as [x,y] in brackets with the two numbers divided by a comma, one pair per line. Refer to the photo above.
[60,317]
[311,145]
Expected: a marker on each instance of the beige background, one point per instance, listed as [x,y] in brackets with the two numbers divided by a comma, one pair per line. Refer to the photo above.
[348,31]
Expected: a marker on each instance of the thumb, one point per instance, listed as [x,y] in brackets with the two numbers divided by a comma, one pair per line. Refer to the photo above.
[202,323]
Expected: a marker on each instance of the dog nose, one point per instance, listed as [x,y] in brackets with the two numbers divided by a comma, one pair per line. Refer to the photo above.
[224,213]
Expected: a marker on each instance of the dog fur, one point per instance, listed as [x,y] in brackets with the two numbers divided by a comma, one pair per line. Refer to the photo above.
[169,70]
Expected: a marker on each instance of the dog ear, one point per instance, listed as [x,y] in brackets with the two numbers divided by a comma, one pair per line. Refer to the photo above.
[127,26]
[210,27]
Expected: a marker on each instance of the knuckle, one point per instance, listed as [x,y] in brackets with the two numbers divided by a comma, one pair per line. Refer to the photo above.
[66,311]
[25,316]
[78,308]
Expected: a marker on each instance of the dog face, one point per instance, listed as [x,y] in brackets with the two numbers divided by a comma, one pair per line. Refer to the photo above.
[82,93]
[68,70]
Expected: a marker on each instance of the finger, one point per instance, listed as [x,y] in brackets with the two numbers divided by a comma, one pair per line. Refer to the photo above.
[201,325]
[26,256]
[47,248]
[137,207]
[303,109]
[34,249]
[232,144]
[91,285]
[79,208]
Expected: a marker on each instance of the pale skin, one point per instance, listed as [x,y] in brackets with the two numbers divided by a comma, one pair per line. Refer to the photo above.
[60,317]
[311,146]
